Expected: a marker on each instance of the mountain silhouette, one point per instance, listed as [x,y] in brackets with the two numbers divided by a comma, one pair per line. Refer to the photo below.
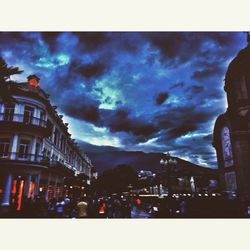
[106,157]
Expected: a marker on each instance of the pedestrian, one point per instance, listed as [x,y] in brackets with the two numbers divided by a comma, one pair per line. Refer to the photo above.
[183,208]
[52,208]
[60,208]
[82,206]
[117,208]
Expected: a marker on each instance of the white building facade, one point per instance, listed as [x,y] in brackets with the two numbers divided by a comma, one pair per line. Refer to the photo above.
[37,152]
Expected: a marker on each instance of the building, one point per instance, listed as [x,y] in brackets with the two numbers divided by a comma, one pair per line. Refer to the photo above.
[37,154]
[232,129]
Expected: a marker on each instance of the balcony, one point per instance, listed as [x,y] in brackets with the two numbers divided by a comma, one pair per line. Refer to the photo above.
[20,122]
[62,167]
[21,157]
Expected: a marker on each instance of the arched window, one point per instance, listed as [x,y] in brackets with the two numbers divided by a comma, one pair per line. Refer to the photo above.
[226,147]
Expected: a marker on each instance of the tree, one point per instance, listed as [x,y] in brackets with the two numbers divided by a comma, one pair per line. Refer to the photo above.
[5,73]
[117,179]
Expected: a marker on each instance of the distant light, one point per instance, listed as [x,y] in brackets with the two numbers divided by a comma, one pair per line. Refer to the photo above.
[177,211]
[184,195]
[206,194]
[189,194]
[213,194]
[199,194]
[70,187]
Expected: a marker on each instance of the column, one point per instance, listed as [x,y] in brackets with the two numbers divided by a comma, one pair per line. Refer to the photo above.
[47,190]
[27,186]
[17,116]
[37,182]
[7,190]
[55,186]
[14,149]
[1,108]
[33,149]
[62,187]
[1,111]
[36,115]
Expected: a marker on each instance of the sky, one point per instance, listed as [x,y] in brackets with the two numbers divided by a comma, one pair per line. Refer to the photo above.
[143,91]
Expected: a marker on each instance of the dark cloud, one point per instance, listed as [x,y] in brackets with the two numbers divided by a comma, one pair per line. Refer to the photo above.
[182,130]
[88,70]
[204,73]
[81,107]
[221,38]
[208,138]
[177,85]
[50,39]
[120,120]
[161,98]
[92,40]
[180,47]
[179,121]
[195,89]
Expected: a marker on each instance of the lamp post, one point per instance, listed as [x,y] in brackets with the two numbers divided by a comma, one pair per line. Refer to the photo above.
[168,163]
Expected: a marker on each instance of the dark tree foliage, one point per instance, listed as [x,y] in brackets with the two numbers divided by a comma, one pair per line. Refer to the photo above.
[117,179]
[5,73]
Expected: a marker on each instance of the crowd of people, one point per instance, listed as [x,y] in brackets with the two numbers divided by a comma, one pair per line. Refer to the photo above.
[127,206]
[83,207]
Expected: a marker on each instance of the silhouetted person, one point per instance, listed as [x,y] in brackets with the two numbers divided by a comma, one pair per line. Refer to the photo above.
[82,206]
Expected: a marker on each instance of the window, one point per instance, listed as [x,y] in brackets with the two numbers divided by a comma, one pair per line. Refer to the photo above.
[50,128]
[226,147]
[62,146]
[4,147]
[42,118]
[42,115]
[9,110]
[37,152]
[23,149]
[28,114]
[56,136]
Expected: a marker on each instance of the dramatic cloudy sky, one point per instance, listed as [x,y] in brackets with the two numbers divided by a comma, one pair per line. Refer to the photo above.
[136,91]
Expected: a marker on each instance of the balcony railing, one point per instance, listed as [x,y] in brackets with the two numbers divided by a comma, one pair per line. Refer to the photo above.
[23,119]
[18,156]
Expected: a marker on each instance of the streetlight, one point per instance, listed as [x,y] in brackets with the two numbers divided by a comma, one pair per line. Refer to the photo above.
[168,163]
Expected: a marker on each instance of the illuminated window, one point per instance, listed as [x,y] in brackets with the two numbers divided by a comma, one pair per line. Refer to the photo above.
[226,147]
